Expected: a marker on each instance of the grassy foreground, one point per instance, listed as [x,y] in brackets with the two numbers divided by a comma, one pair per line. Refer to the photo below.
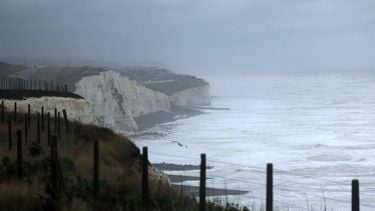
[120,174]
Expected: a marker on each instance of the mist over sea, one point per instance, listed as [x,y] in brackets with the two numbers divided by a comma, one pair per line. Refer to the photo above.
[317,129]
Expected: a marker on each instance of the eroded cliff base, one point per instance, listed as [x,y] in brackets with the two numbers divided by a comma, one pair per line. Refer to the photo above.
[153,119]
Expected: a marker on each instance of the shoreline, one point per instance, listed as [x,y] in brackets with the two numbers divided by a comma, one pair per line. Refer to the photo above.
[178,180]
[176,113]
[193,191]
[177,167]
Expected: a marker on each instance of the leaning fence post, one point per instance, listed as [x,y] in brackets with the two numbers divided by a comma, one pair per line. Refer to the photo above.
[145,189]
[38,128]
[202,184]
[19,154]
[269,192]
[355,195]
[9,134]
[96,169]
[66,120]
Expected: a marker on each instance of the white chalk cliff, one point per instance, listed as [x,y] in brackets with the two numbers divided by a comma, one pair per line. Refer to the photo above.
[191,97]
[116,100]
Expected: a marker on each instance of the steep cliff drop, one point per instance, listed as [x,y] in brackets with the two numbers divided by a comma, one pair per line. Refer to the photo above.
[116,100]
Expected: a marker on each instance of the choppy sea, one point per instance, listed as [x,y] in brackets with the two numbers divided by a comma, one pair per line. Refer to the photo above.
[318,130]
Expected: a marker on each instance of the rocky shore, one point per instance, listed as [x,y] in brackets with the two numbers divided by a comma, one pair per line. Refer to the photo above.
[179,180]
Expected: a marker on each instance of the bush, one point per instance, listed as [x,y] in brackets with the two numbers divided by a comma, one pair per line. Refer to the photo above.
[35,150]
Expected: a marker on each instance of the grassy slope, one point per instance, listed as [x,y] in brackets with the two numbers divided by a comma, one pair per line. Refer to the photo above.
[68,75]
[171,82]
[7,69]
[119,173]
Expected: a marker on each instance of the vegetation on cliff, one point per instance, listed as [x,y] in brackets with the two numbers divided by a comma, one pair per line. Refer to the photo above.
[163,80]
[7,69]
[120,176]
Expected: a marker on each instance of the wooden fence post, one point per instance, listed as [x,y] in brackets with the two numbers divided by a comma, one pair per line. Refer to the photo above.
[202,184]
[15,111]
[66,120]
[54,173]
[145,188]
[269,192]
[48,128]
[55,120]
[57,179]
[58,126]
[19,154]
[26,130]
[28,114]
[42,118]
[2,111]
[9,134]
[96,169]
[355,195]
[38,128]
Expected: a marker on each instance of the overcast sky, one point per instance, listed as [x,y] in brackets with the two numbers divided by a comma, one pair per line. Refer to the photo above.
[196,36]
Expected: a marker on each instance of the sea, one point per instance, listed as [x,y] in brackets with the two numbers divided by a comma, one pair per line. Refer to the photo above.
[317,129]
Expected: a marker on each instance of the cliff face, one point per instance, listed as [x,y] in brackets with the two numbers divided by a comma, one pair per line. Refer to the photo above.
[182,90]
[77,109]
[191,96]
[116,100]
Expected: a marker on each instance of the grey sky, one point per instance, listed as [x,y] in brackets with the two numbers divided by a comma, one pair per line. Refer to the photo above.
[196,36]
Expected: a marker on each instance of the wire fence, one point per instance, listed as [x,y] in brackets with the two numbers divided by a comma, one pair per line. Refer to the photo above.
[286,182]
